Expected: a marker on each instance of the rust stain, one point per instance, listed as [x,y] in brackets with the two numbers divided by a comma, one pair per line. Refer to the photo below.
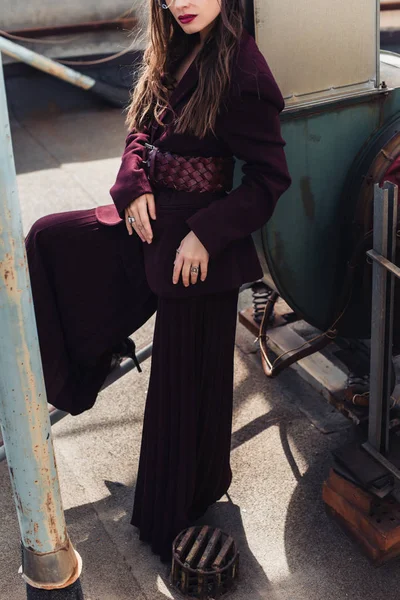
[76,566]
[307,197]
[19,502]
[10,268]
[52,521]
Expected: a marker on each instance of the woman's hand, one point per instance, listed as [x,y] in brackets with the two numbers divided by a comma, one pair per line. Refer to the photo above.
[140,210]
[191,253]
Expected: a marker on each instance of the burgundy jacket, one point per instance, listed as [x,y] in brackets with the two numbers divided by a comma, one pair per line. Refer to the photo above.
[247,127]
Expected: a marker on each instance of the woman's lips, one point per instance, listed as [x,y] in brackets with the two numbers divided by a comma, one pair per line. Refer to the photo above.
[187,19]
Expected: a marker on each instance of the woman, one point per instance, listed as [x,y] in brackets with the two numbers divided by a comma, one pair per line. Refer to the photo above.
[173,195]
[198,247]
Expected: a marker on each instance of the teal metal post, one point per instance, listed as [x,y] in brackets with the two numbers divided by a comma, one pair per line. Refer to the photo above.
[49,559]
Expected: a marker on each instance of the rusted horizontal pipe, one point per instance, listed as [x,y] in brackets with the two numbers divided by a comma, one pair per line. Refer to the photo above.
[128,23]
[115,96]
[124,368]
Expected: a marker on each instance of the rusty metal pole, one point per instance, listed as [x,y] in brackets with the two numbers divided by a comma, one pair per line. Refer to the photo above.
[49,559]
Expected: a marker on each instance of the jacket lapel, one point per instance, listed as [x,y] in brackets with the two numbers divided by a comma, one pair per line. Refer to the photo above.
[184,87]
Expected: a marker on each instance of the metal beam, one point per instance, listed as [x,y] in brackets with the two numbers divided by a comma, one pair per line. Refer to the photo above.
[384,246]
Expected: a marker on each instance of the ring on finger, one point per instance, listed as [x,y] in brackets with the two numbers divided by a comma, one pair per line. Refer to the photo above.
[194,269]
[131,219]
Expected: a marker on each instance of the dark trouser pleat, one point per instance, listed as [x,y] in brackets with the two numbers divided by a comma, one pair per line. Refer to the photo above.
[184,460]
[90,292]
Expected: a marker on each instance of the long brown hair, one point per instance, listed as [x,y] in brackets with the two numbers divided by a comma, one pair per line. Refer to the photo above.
[168,46]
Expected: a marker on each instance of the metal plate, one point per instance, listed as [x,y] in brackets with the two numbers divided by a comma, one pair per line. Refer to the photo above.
[318,45]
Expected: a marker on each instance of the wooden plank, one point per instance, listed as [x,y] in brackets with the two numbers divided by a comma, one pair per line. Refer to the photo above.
[246,319]
[316,369]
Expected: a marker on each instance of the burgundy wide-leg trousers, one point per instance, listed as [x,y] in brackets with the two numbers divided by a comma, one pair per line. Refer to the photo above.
[85,281]
[90,292]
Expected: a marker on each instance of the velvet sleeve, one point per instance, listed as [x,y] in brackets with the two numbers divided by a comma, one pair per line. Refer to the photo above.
[132,180]
[251,130]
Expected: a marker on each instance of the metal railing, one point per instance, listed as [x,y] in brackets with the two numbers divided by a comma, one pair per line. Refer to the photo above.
[124,368]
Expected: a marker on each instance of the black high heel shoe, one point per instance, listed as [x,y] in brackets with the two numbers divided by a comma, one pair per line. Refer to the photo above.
[125,349]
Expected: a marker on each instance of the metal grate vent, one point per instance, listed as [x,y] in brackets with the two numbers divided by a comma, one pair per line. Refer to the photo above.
[205,563]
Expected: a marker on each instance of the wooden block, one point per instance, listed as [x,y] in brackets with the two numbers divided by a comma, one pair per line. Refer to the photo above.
[381,530]
[351,492]
[376,556]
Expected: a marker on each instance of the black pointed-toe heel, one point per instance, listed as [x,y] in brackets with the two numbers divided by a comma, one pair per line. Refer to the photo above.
[125,349]
[131,352]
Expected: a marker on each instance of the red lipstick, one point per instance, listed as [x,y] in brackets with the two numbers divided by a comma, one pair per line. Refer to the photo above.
[187,18]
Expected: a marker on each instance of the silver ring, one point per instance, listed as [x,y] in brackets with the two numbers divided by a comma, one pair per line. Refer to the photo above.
[194,269]
[131,219]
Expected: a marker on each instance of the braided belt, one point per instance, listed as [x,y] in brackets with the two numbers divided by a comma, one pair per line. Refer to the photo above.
[189,173]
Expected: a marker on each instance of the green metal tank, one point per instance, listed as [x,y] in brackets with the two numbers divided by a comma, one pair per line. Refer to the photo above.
[341,125]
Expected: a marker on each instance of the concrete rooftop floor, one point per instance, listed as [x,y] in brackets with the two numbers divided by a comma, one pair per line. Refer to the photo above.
[290,549]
